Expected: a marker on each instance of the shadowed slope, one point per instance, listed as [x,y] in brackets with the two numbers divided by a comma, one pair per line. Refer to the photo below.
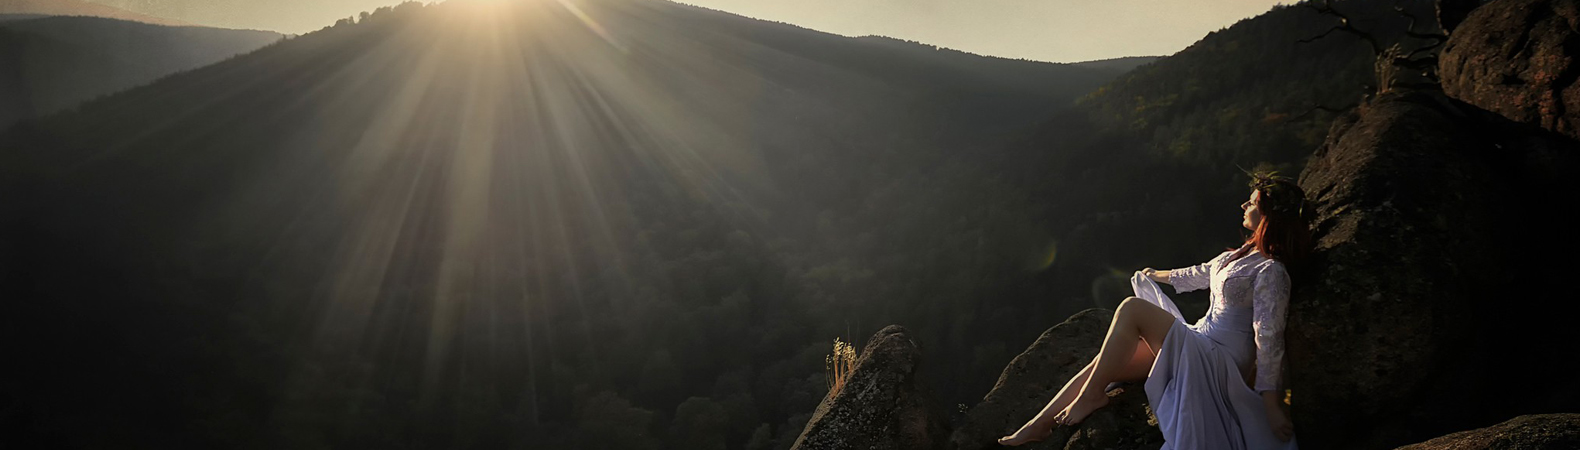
[49,64]
[80,8]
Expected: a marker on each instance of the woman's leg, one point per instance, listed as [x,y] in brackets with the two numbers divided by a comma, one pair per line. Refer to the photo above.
[1135,323]
[1042,424]
[1139,366]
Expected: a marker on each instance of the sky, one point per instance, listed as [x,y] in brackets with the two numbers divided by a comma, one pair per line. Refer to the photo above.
[1043,30]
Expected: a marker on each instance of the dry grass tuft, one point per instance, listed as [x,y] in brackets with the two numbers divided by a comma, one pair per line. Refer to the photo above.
[839,365]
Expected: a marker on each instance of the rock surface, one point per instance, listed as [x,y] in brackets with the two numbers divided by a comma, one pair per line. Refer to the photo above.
[1415,291]
[1536,432]
[1517,58]
[882,405]
[1033,377]
[1125,424]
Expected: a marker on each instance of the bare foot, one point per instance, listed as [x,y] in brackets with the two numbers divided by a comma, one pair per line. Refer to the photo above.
[1026,435]
[1088,401]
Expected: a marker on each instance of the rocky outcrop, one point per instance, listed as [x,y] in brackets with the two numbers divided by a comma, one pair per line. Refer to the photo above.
[1537,432]
[882,405]
[1517,58]
[1424,292]
[1439,243]
[1125,424]
[1032,379]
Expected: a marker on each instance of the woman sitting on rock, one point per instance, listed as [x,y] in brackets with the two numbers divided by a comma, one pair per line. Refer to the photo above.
[1215,384]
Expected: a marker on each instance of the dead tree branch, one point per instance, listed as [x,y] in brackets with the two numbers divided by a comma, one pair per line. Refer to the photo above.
[1344,25]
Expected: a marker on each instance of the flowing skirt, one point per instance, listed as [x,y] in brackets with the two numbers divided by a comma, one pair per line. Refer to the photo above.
[1196,390]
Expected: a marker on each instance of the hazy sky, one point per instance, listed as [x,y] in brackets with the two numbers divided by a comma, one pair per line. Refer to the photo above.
[1047,30]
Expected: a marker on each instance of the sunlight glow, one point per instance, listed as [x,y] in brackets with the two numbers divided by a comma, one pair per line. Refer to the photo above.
[590,23]
[490,187]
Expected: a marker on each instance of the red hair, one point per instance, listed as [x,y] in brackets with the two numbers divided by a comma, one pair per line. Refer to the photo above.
[1283,234]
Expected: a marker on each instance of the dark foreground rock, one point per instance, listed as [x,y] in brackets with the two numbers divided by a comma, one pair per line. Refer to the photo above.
[1517,58]
[1536,432]
[1033,377]
[1125,424]
[882,405]
[1419,299]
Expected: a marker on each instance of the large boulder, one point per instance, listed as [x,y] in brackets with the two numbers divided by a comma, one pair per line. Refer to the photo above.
[882,405]
[1432,281]
[1125,424]
[1517,58]
[1032,379]
[1536,432]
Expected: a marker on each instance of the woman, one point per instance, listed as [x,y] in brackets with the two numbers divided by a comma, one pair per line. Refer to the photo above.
[1215,384]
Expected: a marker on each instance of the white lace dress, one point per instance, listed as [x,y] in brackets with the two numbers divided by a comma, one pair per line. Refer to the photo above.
[1198,388]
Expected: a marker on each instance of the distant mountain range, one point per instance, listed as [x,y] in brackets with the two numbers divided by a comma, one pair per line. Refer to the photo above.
[1120,65]
[79,8]
[48,64]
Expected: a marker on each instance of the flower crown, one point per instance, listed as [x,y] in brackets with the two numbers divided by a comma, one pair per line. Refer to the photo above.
[1280,194]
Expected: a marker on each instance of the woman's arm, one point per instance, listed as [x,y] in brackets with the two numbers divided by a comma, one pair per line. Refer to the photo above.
[1270,303]
[1161,276]
[1185,279]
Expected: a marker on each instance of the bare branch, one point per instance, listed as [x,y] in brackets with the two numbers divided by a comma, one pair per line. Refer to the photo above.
[1437,39]
[1344,25]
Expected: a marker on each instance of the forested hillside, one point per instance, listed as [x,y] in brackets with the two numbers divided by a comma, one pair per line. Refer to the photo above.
[601,224]
[1172,138]
[78,8]
[48,64]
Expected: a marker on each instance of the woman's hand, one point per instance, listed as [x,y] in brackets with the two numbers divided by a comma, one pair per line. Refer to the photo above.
[1277,418]
[1161,276]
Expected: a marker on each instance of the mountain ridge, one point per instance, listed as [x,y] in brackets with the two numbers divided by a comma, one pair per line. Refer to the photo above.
[51,63]
[81,8]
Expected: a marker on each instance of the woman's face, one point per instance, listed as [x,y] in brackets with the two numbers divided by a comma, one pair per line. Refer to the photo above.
[1253,215]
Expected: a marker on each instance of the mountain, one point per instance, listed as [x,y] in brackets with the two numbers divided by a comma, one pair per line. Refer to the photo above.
[548,220]
[79,8]
[1119,65]
[16,17]
[48,64]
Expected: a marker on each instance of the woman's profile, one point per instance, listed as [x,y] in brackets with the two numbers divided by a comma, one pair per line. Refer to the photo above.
[1214,384]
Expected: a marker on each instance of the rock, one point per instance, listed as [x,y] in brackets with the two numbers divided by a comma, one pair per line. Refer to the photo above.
[1033,377]
[1377,174]
[1030,381]
[1125,424]
[1547,431]
[1421,290]
[883,404]
[1517,58]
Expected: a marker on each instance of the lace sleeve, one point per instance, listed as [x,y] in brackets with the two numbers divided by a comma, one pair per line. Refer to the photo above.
[1270,302]
[1194,277]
